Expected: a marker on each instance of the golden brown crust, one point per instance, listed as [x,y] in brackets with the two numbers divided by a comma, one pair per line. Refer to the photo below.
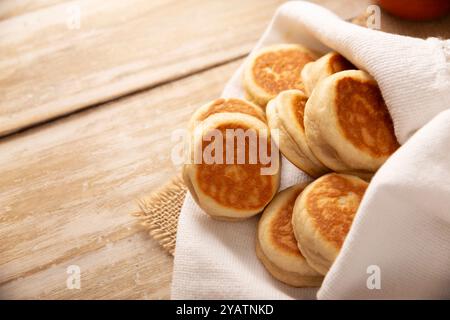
[275,236]
[285,113]
[231,188]
[298,105]
[363,117]
[240,186]
[281,232]
[316,71]
[347,125]
[280,70]
[231,105]
[332,204]
[322,216]
[339,63]
[274,69]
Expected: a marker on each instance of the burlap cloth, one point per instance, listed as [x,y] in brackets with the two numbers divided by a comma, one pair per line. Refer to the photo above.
[160,209]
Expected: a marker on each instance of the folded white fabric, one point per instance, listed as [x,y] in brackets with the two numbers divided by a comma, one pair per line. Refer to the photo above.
[402,228]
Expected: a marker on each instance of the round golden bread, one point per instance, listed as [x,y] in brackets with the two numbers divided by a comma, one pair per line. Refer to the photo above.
[276,246]
[225,105]
[285,114]
[322,216]
[225,174]
[325,66]
[347,124]
[274,69]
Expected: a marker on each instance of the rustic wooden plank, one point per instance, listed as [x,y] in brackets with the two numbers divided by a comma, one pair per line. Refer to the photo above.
[12,8]
[67,189]
[48,69]
[131,268]
[345,8]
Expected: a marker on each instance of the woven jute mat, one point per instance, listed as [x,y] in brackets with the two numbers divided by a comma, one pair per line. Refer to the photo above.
[160,210]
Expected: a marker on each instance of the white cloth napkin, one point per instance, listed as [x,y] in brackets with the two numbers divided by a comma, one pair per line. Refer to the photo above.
[403,224]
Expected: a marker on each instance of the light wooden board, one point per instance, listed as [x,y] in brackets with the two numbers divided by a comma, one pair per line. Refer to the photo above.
[68,189]
[48,69]
[11,8]
[346,9]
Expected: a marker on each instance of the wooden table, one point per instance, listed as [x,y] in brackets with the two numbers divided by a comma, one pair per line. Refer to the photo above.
[87,108]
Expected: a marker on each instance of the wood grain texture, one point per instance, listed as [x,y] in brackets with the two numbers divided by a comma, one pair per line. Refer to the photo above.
[68,188]
[346,9]
[12,8]
[48,69]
